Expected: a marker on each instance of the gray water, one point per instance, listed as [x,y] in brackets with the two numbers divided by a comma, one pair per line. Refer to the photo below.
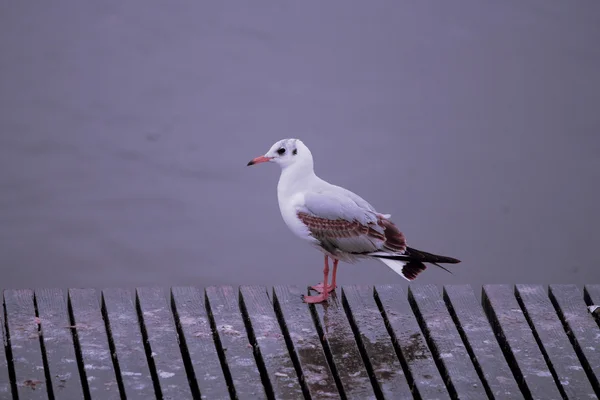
[125,129]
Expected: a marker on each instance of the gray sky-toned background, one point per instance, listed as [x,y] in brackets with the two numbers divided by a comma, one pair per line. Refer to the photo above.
[125,129]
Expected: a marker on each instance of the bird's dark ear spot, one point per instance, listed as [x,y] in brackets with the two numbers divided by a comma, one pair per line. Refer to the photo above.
[295,151]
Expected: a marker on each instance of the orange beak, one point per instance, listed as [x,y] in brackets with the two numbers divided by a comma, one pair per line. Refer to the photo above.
[259,160]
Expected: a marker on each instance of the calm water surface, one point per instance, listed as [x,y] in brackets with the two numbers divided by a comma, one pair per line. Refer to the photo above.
[125,129]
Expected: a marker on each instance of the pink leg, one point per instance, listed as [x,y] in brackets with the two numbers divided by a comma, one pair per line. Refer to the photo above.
[324,294]
[330,288]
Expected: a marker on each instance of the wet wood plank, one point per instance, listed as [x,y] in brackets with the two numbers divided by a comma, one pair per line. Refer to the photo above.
[5,387]
[518,342]
[335,330]
[233,338]
[376,345]
[24,341]
[481,342]
[126,338]
[269,342]
[158,330]
[424,376]
[554,343]
[58,344]
[592,298]
[303,342]
[197,338]
[92,343]
[581,328]
[445,342]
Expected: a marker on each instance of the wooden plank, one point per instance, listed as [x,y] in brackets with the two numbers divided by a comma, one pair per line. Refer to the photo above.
[303,342]
[160,335]
[554,343]
[5,386]
[24,341]
[269,342]
[232,337]
[197,339]
[518,342]
[375,343]
[581,328]
[338,339]
[445,342]
[415,356]
[58,344]
[481,342]
[592,297]
[126,343]
[92,349]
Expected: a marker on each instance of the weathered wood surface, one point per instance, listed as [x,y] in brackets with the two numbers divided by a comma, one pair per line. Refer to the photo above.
[380,342]
[410,343]
[92,347]
[24,341]
[518,342]
[553,342]
[339,343]
[374,341]
[269,343]
[63,373]
[445,342]
[235,346]
[125,336]
[196,335]
[479,339]
[160,335]
[303,342]
[581,327]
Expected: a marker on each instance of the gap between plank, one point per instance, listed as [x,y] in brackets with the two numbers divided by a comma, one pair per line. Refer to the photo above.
[434,350]
[78,354]
[327,350]
[260,363]
[187,361]
[508,355]
[361,348]
[540,344]
[147,348]
[582,359]
[219,347]
[43,349]
[397,348]
[290,345]
[8,352]
[111,346]
[467,344]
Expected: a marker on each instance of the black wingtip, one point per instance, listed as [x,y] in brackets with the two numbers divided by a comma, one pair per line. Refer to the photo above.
[444,268]
[411,270]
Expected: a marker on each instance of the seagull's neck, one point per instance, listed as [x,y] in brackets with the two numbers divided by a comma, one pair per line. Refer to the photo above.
[295,178]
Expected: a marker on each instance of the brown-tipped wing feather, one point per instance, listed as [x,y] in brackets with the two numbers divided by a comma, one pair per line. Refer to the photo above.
[353,236]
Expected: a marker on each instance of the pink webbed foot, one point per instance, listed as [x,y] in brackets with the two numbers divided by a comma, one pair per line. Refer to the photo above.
[319,288]
[316,299]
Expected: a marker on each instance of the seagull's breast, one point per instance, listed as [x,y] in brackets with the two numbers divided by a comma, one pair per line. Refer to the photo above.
[289,205]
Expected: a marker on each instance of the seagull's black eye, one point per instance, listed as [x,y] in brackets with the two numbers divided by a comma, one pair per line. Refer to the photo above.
[295,151]
[281,151]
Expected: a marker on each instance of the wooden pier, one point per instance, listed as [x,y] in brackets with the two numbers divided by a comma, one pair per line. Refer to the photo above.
[523,341]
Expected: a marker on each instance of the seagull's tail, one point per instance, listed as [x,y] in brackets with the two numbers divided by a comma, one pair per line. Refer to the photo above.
[411,263]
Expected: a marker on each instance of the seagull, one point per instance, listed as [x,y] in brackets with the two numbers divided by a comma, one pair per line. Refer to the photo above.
[336,221]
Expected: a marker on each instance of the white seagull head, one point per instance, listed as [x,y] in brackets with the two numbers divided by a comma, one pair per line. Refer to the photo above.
[287,153]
